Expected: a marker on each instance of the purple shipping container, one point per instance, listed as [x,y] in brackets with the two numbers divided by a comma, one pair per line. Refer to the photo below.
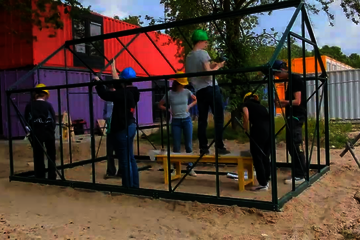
[78,97]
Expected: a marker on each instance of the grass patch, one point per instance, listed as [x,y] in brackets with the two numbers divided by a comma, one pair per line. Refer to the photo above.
[338,132]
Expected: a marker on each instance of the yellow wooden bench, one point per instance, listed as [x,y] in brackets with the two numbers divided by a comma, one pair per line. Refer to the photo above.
[241,161]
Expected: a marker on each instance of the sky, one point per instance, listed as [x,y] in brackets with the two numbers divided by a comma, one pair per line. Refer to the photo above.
[344,34]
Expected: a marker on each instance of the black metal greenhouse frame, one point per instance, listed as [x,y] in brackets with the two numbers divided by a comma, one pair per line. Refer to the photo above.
[277,203]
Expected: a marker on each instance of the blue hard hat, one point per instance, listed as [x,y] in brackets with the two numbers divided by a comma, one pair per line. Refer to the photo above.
[128,73]
[278,64]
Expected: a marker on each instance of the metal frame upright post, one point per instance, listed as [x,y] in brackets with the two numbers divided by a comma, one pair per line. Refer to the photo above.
[289,117]
[303,34]
[68,107]
[271,103]
[11,153]
[60,132]
[318,110]
[216,139]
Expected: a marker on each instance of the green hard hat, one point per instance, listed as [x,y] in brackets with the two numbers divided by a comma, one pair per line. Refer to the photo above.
[199,35]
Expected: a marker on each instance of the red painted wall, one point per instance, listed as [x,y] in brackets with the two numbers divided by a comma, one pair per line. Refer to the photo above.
[45,45]
[15,42]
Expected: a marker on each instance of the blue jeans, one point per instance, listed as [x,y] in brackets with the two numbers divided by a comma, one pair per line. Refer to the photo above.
[124,149]
[184,125]
[205,99]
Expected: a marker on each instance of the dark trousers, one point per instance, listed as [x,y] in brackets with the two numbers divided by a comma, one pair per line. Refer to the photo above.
[124,149]
[260,141]
[111,169]
[40,139]
[205,99]
[297,155]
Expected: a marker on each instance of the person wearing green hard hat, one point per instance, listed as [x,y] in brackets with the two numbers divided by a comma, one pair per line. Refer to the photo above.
[198,60]
[299,101]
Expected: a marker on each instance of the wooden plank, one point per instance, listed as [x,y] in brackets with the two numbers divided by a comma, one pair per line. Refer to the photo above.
[243,163]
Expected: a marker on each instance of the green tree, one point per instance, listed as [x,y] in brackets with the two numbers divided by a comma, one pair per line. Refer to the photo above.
[45,14]
[241,45]
[354,60]
[134,20]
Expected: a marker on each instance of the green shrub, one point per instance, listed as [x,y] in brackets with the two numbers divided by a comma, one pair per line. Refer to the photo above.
[338,134]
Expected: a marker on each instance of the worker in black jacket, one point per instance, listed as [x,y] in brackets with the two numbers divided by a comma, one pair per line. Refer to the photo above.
[298,100]
[122,129]
[127,73]
[40,117]
[258,117]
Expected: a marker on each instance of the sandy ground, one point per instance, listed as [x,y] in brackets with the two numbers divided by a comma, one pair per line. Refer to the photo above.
[327,210]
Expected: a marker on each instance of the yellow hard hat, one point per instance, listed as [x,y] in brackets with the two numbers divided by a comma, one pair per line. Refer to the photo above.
[40,85]
[182,81]
[251,94]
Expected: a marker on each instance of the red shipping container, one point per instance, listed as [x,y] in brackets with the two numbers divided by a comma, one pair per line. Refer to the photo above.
[18,52]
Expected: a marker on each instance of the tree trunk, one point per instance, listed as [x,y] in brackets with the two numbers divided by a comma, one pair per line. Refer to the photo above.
[238,114]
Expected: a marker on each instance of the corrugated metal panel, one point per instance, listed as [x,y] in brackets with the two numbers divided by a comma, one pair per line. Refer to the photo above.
[145,104]
[79,99]
[7,78]
[15,42]
[45,45]
[311,105]
[343,89]
[142,49]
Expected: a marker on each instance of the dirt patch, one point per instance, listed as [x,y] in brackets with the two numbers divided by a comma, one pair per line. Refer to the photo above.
[327,210]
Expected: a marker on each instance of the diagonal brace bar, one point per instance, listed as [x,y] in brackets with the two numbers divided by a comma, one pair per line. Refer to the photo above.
[119,53]
[23,78]
[161,53]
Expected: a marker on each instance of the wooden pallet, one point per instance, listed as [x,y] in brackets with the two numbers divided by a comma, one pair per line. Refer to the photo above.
[67,129]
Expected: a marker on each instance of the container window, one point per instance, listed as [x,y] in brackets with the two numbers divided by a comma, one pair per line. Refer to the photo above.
[96,47]
[79,32]
[90,53]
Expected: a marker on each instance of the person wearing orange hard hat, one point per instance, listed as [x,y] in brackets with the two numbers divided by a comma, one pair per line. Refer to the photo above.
[178,98]
[256,119]
[40,119]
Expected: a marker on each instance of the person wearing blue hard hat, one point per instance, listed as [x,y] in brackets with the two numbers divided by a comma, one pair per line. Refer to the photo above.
[128,73]
[123,129]
[299,101]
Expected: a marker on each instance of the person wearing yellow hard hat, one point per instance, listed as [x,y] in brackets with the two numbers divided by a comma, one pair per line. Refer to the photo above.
[178,98]
[40,119]
[256,119]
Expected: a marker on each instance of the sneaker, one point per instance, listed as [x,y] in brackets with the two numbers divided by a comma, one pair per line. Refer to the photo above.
[223,151]
[297,180]
[260,188]
[192,172]
[204,151]
[107,176]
